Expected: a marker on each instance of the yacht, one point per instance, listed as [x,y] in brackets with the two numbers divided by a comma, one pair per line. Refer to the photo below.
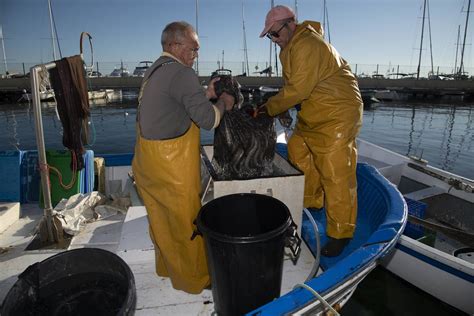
[120,72]
[142,68]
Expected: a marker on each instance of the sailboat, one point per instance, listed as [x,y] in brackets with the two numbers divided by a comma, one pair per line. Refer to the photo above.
[425,10]
[46,93]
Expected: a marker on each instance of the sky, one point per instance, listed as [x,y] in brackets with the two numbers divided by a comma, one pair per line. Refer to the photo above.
[365,32]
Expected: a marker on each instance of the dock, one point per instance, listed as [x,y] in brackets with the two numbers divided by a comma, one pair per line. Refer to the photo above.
[423,89]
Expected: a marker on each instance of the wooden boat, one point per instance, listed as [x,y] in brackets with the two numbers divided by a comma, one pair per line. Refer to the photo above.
[436,251]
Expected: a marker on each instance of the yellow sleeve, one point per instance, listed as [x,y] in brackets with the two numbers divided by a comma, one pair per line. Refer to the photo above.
[307,58]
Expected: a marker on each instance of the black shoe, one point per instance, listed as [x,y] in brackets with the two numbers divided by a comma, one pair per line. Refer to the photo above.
[334,247]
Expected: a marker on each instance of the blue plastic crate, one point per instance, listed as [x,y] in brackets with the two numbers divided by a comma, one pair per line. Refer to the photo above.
[417,209]
[30,177]
[10,175]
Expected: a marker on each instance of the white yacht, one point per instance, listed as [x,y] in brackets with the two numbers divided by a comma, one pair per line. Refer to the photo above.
[142,68]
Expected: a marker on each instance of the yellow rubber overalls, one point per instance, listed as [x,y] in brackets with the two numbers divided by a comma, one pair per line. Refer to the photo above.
[167,174]
[323,145]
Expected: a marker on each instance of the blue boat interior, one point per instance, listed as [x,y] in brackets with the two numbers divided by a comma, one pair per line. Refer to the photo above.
[373,214]
[381,218]
[374,223]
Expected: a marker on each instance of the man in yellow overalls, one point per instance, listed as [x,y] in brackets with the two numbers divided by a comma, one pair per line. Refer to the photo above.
[166,165]
[323,144]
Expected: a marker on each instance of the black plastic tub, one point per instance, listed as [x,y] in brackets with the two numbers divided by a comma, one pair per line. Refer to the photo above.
[87,281]
[245,237]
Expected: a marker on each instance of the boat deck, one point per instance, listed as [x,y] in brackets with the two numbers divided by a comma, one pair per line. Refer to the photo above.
[155,295]
[127,236]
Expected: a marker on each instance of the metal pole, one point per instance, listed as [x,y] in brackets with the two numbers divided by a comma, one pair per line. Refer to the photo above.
[197,33]
[222,59]
[52,30]
[431,42]
[3,48]
[421,41]
[461,64]
[296,9]
[457,47]
[35,83]
[327,21]
[272,3]
[246,56]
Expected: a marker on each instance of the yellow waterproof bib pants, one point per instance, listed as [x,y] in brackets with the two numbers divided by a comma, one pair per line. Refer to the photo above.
[330,181]
[167,174]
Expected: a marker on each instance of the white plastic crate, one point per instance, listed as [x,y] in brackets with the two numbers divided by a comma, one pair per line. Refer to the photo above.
[288,188]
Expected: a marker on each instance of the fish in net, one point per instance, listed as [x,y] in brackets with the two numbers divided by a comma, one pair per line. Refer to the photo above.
[244,144]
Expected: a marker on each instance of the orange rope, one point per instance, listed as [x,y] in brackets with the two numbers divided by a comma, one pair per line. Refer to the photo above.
[58,173]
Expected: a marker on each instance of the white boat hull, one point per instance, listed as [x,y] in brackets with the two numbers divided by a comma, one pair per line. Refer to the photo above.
[441,275]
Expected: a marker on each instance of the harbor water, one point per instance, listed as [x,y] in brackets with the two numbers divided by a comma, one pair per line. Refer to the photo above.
[442,134]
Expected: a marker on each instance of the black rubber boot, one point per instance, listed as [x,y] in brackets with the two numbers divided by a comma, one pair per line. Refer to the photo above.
[334,247]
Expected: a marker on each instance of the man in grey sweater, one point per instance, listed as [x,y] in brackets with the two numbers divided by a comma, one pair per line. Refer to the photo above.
[172,107]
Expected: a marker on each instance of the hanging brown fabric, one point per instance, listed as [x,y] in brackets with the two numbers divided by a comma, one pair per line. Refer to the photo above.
[68,79]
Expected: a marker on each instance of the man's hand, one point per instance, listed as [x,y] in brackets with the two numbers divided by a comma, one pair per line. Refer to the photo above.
[260,110]
[210,91]
[285,119]
[228,100]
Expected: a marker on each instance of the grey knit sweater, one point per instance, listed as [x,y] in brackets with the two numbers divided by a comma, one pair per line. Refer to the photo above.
[171,99]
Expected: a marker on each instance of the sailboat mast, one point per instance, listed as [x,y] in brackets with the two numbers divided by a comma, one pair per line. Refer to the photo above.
[296,9]
[271,45]
[246,57]
[3,49]
[327,21]
[197,33]
[324,16]
[431,42]
[457,49]
[461,63]
[421,41]
[53,40]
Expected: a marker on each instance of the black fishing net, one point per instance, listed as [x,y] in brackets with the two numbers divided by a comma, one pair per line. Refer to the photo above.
[244,145]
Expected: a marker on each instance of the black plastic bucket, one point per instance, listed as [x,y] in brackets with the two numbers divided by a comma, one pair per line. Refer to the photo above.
[245,236]
[87,281]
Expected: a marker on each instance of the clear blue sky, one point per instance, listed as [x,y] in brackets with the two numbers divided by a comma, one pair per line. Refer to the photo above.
[363,31]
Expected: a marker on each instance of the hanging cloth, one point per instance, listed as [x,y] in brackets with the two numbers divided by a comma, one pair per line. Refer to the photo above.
[68,79]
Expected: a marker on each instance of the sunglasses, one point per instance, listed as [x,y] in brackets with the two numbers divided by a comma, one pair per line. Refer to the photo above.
[276,34]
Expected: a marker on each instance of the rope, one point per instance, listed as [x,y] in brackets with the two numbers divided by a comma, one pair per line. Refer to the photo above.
[317,260]
[48,168]
[45,87]
[319,297]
